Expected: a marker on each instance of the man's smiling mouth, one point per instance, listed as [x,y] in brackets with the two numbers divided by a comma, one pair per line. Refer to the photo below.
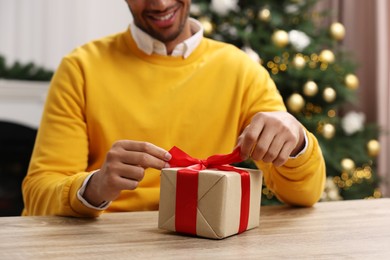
[164,18]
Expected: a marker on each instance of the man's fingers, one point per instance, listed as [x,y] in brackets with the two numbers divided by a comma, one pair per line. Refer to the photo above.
[131,172]
[283,156]
[148,148]
[263,144]
[250,137]
[141,154]
[271,137]
[144,160]
[127,184]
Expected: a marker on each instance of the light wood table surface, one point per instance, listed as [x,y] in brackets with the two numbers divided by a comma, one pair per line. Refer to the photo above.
[330,230]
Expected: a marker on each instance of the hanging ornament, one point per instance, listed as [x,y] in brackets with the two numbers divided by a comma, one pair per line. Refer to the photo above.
[347,164]
[292,9]
[252,54]
[328,131]
[331,191]
[327,56]
[329,94]
[337,31]
[353,122]
[264,15]
[280,38]
[224,7]
[299,62]
[373,148]
[351,81]
[195,9]
[295,103]
[207,25]
[298,39]
[310,88]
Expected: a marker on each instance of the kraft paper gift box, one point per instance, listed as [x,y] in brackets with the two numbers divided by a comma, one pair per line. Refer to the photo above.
[218,202]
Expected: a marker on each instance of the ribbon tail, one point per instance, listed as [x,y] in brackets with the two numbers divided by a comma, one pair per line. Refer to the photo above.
[186,201]
[245,201]
[221,159]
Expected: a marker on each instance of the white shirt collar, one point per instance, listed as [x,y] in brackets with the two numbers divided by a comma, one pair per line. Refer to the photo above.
[150,45]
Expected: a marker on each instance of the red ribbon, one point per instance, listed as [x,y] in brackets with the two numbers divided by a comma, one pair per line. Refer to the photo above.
[187,186]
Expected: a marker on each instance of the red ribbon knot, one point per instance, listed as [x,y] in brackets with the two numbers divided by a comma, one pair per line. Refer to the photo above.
[204,162]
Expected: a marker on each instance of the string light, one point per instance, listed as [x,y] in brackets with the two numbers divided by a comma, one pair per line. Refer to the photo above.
[324,66]
[331,113]
[283,67]
[270,64]
[268,193]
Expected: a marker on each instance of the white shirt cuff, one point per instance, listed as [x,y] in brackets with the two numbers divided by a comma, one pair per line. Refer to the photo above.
[80,194]
[304,148]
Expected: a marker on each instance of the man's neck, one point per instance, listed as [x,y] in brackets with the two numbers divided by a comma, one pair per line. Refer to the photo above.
[184,35]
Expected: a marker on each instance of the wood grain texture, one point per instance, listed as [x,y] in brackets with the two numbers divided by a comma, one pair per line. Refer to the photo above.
[348,229]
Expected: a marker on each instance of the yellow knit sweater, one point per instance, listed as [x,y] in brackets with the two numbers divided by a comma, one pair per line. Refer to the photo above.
[109,90]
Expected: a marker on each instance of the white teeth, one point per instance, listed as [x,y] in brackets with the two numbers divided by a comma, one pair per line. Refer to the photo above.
[165,17]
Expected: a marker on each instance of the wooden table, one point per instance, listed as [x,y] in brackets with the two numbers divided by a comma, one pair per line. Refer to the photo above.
[348,229]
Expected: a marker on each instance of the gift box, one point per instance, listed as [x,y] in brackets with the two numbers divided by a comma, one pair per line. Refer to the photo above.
[209,198]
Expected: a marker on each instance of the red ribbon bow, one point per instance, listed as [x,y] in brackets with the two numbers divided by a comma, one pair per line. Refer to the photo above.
[187,186]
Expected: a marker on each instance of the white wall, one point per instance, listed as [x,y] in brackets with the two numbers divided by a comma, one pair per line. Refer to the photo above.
[22,102]
[43,31]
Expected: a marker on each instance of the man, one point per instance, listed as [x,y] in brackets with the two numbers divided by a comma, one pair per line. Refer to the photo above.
[117,105]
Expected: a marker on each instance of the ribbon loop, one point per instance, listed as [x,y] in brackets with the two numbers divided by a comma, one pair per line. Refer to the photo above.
[181,159]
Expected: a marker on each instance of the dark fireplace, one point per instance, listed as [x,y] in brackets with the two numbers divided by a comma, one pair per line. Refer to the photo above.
[16,144]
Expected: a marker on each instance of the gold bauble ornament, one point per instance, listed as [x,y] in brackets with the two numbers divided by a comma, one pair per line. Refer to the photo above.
[310,88]
[347,164]
[327,56]
[373,148]
[295,103]
[264,15]
[328,131]
[351,81]
[280,38]
[337,31]
[299,62]
[329,94]
[208,27]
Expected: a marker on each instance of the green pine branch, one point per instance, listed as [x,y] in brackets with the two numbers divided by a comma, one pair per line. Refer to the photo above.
[28,71]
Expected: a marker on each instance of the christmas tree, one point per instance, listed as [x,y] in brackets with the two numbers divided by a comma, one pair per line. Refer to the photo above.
[315,76]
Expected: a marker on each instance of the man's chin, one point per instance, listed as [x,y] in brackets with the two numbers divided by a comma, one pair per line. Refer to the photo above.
[166,37]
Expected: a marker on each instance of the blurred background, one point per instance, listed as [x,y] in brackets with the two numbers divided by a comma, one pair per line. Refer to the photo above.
[329,58]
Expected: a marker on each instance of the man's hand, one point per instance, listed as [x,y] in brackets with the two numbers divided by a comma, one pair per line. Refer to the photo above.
[272,137]
[123,169]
